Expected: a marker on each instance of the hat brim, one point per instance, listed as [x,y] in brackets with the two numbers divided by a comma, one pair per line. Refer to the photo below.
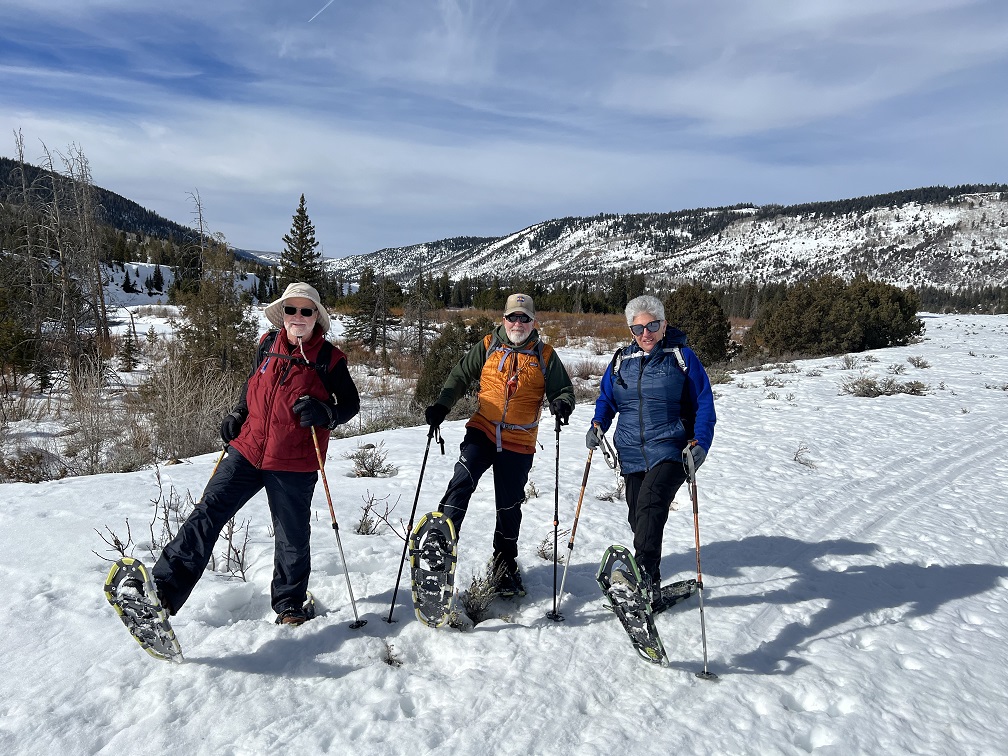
[521,310]
[274,311]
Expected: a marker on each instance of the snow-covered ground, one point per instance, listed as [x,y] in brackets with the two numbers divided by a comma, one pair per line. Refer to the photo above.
[855,599]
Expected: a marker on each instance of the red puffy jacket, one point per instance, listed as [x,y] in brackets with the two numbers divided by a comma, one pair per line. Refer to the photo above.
[271,437]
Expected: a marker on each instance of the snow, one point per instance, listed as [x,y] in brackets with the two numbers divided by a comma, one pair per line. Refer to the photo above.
[855,601]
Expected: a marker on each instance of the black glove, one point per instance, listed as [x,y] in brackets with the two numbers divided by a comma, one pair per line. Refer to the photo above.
[560,409]
[313,412]
[594,437]
[435,415]
[232,425]
[696,451]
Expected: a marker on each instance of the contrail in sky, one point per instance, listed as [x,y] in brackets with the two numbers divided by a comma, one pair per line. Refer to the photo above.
[323,8]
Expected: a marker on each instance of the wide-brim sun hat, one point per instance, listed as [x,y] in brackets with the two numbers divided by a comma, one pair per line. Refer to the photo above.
[274,310]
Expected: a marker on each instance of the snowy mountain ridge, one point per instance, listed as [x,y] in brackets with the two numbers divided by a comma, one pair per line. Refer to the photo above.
[956,242]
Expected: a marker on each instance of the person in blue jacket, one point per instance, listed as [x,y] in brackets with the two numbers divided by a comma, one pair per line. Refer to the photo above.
[663,398]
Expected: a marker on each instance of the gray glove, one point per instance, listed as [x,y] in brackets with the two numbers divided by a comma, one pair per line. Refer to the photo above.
[594,437]
[698,453]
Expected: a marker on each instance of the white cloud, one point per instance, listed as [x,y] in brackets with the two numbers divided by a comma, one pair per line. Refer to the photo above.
[405,121]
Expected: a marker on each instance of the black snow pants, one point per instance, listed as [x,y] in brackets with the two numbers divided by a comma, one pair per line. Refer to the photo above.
[649,495]
[510,474]
[184,559]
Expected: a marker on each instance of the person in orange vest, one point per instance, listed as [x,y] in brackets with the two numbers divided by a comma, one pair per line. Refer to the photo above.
[515,371]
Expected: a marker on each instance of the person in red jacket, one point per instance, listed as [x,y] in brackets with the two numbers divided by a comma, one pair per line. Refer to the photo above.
[299,382]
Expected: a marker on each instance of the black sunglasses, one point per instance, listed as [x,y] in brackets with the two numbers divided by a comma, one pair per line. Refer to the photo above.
[305,311]
[517,317]
[636,329]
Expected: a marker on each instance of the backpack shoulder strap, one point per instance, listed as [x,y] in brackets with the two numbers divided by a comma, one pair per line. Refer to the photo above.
[677,351]
[491,342]
[265,342]
[615,363]
[322,359]
[543,355]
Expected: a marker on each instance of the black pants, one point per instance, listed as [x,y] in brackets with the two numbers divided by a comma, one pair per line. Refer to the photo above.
[510,473]
[648,496]
[183,561]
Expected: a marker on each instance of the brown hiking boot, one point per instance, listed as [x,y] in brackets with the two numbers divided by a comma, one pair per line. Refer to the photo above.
[293,617]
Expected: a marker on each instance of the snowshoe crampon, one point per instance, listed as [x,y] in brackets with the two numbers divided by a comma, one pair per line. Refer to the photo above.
[620,580]
[432,553]
[672,594]
[131,592]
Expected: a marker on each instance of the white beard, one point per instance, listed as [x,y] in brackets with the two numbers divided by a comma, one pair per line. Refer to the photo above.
[519,340]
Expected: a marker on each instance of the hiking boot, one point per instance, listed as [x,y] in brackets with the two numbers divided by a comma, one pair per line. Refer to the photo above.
[622,580]
[168,610]
[295,617]
[673,593]
[651,590]
[132,586]
[509,580]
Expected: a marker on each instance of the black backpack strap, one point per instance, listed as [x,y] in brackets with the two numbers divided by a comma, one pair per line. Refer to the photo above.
[322,359]
[265,342]
[322,363]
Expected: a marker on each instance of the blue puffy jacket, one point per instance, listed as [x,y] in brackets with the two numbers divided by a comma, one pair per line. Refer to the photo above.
[661,405]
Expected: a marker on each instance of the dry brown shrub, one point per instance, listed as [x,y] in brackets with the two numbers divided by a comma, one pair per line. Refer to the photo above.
[582,326]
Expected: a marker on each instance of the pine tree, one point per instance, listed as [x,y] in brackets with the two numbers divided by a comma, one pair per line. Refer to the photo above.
[128,352]
[300,259]
[216,323]
[699,314]
[157,279]
[128,286]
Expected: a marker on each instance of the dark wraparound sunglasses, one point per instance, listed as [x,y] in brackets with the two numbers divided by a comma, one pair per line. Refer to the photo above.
[636,329]
[517,317]
[305,311]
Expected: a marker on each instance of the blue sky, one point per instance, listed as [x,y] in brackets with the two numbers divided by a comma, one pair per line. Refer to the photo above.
[405,121]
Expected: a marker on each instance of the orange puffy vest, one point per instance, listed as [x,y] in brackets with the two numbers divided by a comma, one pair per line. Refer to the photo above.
[512,387]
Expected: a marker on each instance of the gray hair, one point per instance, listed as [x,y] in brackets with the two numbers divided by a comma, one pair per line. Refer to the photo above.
[645,303]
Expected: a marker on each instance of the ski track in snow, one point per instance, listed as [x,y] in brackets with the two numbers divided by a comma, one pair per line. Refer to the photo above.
[855,607]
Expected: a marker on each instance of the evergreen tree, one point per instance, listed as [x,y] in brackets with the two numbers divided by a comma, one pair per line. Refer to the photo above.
[128,359]
[157,279]
[216,322]
[698,314]
[445,351]
[300,259]
[369,322]
[827,316]
[128,286]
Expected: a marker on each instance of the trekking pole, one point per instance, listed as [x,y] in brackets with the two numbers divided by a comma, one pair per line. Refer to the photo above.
[577,514]
[432,433]
[219,458]
[555,615]
[358,622]
[690,466]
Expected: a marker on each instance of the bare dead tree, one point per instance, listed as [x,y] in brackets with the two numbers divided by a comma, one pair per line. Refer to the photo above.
[236,541]
[88,241]
[115,543]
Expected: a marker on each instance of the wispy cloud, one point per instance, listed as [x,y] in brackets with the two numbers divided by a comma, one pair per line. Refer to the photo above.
[404,121]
